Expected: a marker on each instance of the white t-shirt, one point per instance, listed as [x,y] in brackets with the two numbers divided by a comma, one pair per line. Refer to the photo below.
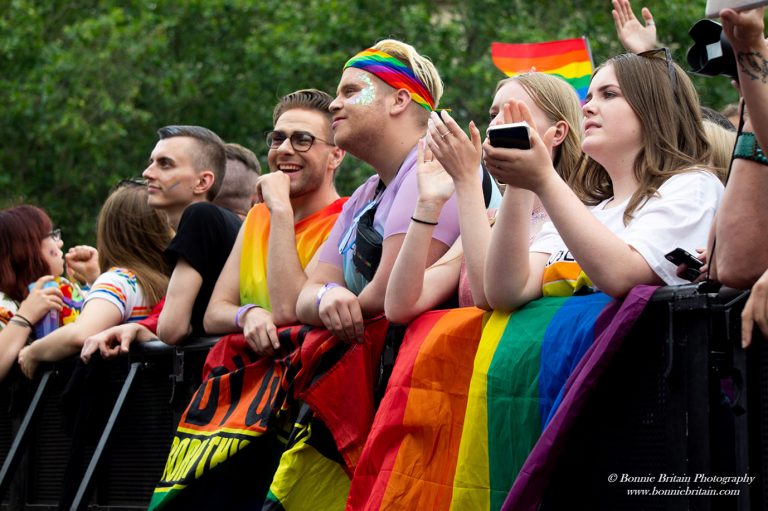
[119,287]
[680,215]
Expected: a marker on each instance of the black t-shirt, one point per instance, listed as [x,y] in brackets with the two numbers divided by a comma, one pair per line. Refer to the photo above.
[204,239]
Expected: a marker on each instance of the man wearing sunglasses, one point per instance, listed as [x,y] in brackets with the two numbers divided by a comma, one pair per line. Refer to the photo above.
[261,280]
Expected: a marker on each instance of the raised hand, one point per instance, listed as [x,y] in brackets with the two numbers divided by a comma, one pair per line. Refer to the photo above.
[83,263]
[521,168]
[459,154]
[274,190]
[635,36]
[745,29]
[435,185]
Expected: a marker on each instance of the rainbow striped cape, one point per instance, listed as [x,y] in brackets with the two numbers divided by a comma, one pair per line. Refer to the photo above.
[470,396]
[570,59]
[311,232]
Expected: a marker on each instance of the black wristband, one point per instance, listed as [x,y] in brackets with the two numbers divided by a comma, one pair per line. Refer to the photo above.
[423,222]
[22,318]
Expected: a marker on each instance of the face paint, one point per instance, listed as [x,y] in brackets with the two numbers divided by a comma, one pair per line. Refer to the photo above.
[367,95]
[173,185]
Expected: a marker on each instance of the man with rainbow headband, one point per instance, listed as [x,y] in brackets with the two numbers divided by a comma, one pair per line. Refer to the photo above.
[260,282]
[380,113]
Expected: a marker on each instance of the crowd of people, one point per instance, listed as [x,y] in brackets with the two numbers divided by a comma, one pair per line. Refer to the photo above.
[203,245]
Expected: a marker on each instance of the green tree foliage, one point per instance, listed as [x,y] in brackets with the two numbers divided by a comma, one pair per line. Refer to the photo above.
[85,84]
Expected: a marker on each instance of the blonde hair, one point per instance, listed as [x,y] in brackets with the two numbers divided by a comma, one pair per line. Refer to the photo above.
[721,142]
[673,136]
[422,67]
[559,102]
[132,235]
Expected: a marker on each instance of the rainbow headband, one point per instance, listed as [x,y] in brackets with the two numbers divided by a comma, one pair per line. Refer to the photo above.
[394,73]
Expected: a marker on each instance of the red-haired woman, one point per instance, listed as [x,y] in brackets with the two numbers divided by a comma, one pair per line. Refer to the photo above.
[30,252]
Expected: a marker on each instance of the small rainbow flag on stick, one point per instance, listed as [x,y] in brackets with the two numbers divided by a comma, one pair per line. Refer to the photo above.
[569,58]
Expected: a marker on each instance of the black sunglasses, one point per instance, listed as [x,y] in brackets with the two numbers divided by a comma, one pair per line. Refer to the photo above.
[301,141]
[658,52]
[134,181]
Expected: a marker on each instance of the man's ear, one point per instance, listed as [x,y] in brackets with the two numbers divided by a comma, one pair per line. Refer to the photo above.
[561,131]
[205,180]
[400,101]
[335,157]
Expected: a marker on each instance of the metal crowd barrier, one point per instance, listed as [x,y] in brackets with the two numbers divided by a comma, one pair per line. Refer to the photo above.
[681,398]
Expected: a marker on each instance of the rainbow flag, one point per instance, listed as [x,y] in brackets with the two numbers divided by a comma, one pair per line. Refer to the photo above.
[469,397]
[570,59]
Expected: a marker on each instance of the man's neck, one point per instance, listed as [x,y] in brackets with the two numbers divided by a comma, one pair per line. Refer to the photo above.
[310,204]
[174,214]
[395,144]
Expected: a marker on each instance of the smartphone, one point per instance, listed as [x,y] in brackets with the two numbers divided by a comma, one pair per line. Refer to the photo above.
[679,256]
[715,6]
[513,136]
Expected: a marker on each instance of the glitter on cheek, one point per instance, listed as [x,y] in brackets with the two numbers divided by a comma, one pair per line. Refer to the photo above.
[367,95]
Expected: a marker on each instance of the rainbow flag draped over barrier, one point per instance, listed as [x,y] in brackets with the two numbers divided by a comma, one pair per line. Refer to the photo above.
[470,395]
[263,418]
[570,59]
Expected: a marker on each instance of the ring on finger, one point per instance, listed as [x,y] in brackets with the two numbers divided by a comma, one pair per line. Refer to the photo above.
[443,135]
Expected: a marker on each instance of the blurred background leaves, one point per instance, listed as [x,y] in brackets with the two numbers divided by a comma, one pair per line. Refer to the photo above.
[84,85]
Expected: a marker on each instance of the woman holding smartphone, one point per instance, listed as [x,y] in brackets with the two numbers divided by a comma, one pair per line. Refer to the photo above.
[646,182]
[448,161]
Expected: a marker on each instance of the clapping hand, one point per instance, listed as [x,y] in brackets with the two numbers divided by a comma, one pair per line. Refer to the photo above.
[635,36]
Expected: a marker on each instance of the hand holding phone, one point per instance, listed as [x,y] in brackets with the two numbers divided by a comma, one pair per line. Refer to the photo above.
[515,135]
[679,256]
[715,6]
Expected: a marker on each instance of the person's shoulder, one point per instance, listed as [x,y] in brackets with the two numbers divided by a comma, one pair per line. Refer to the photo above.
[365,191]
[691,181]
[207,211]
[117,272]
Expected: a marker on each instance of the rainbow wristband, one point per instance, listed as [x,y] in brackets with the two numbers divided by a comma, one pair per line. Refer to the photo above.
[241,312]
[323,290]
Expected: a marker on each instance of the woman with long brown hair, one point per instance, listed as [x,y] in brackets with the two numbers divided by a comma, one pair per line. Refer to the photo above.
[646,181]
[131,238]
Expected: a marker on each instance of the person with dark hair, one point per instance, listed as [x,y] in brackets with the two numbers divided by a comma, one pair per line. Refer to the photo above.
[130,241]
[238,190]
[30,253]
[257,289]
[186,164]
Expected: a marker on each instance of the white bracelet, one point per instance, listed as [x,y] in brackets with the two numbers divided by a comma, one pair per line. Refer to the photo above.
[322,291]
